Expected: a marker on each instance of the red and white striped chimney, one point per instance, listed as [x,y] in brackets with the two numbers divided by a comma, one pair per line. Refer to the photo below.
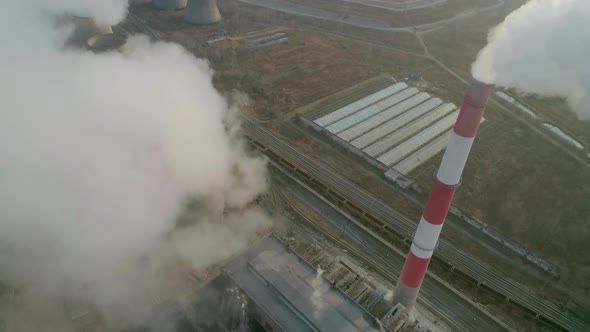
[447,179]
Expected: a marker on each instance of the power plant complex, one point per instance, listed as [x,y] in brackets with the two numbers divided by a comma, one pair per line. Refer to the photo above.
[344,256]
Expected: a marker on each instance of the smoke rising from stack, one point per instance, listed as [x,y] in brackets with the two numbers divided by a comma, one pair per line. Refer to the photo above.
[319,289]
[98,154]
[541,48]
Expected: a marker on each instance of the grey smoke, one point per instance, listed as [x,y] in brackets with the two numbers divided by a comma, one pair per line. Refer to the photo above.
[98,155]
[541,48]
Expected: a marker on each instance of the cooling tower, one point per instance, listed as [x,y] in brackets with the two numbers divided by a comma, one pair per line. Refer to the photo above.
[446,181]
[107,42]
[202,12]
[169,4]
[84,28]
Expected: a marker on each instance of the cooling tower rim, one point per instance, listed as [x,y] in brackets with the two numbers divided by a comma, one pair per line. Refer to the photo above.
[120,38]
[86,18]
[205,23]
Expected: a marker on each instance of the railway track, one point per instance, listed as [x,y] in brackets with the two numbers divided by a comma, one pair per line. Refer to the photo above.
[396,223]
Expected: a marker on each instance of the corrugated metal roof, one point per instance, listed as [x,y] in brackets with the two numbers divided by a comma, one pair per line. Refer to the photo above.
[396,137]
[563,135]
[371,110]
[395,123]
[363,127]
[515,102]
[283,285]
[416,141]
[359,104]
[422,155]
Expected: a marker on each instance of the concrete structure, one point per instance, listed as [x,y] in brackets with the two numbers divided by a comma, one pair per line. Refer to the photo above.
[388,126]
[84,28]
[169,4]
[107,42]
[202,12]
[446,181]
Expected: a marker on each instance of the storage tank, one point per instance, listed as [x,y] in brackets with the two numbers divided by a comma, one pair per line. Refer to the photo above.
[202,12]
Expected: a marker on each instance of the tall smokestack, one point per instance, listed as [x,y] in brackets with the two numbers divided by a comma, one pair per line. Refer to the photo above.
[446,181]
[202,12]
[169,4]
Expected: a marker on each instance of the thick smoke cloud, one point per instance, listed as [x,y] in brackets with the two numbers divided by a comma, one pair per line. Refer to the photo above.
[98,154]
[541,48]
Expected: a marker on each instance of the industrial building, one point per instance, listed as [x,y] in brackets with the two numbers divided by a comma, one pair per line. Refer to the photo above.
[397,127]
[272,288]
[288,294]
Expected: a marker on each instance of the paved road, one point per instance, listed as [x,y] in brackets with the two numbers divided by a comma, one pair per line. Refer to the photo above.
[459,314]
[464,262]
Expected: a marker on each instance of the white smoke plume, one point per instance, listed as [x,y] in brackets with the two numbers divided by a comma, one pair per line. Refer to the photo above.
[388,295]
[540,48]
[98,154]
[319,289]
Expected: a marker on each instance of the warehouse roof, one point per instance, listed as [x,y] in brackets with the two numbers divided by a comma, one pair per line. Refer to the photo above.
[292,293]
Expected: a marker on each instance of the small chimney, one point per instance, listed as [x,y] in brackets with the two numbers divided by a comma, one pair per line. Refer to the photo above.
[169,4]
[446,181]
[107,42]
[202,12]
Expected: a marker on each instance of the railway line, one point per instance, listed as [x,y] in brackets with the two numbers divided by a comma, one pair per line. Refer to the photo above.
[396,223]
